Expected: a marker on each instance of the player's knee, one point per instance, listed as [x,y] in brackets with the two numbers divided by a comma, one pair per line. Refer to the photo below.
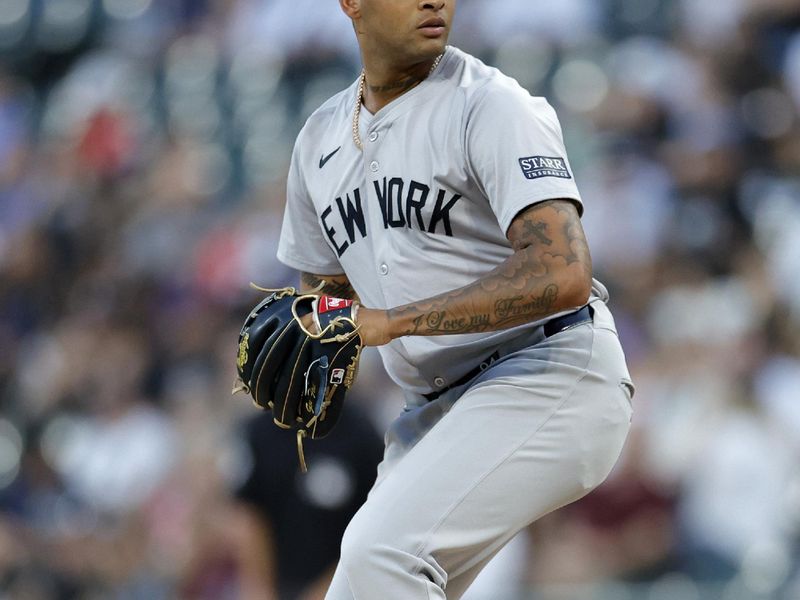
[351,547]
[380,556]
[364,546]
[357,546]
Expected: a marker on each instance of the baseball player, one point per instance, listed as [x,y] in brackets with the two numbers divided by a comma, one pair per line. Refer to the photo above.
[437,193]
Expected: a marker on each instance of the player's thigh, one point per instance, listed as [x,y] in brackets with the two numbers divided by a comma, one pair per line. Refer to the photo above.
[569,454]
[511,449]
[549,369]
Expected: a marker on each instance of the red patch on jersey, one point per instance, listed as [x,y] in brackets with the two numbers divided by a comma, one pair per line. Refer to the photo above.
[327,304]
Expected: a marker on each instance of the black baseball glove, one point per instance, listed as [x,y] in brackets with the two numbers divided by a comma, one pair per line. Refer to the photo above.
[300,375]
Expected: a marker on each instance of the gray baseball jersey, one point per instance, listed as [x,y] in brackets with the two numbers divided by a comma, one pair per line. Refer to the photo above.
[424,209]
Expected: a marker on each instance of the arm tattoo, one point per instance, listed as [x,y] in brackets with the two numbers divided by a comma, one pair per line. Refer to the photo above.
[549,271]
[337,286]
[537,230]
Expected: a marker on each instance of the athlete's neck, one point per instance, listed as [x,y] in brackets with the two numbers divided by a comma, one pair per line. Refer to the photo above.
[386,82]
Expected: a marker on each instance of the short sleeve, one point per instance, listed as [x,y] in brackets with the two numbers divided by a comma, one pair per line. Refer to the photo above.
[516,152]
[302,245]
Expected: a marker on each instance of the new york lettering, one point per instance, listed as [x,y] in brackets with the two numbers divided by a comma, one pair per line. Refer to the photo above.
[352,217]
[402,204]
[398,201]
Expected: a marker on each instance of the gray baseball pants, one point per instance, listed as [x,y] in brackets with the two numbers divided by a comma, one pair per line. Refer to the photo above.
[461,475]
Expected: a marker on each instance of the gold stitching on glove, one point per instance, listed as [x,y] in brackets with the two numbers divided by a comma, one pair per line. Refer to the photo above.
[244,348]
[342,337]
[291,379]
[279,292]
[337,322]
[239,386]
[301,433]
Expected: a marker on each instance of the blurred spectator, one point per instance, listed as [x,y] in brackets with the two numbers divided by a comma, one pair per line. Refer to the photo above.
[289,525]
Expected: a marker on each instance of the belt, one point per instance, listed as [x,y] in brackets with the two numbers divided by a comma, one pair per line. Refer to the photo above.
[572,319]
[549,329]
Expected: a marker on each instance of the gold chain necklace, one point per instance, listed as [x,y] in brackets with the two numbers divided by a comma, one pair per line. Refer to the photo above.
[360,100]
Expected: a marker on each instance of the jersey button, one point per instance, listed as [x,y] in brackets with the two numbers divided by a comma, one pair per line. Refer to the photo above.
[374,166]
[384,269]
[439,382]
[373,136]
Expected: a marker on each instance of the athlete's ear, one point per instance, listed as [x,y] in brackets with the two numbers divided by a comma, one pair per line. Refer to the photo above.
[352,8]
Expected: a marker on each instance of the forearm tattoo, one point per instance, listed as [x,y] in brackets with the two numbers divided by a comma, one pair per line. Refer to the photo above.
[337,286]
[539,279]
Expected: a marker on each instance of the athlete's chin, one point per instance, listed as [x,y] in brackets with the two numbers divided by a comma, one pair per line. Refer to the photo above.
[433,46]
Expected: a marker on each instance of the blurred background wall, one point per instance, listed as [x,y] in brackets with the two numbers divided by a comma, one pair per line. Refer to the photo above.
[143,150]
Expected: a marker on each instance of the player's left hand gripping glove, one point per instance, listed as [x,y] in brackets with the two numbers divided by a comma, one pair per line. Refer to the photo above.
[302,376]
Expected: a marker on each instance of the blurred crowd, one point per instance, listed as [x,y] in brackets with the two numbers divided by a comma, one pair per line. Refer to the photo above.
[143,151]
